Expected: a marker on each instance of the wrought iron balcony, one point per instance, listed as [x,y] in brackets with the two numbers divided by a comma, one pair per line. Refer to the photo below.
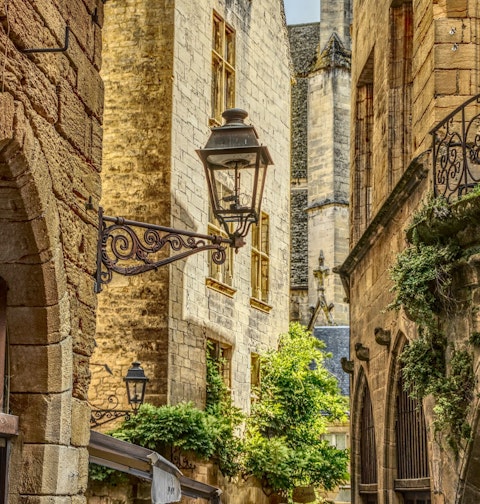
[456,151]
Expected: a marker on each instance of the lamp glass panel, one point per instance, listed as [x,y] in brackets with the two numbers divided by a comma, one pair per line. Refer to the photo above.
[135,391]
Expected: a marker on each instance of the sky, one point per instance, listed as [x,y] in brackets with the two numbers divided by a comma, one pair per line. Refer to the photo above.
[302,11]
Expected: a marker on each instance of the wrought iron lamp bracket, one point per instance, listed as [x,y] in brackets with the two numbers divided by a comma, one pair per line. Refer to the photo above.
[131,248]
[100,416]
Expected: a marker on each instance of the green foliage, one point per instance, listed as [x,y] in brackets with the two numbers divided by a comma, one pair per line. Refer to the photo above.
[105,474]
[423,365]
[182,426]
[282,445]
[453,399]
[437,208]
[296,400]
[475,339]
[422,277]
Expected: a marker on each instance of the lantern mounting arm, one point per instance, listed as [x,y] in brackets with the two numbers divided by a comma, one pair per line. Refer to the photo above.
[102,416]
[130,248]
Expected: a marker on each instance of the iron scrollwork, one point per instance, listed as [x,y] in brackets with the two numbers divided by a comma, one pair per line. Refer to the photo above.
[101,416]
[131,248]
[456,151]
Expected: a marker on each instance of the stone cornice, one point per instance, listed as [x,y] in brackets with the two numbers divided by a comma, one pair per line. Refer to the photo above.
[413,176]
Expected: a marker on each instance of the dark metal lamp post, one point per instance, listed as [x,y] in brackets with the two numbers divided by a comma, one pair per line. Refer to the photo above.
[136,384]
[235,166]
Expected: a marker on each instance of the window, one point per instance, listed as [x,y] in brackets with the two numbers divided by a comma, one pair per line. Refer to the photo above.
[222,354]
[260,258]
[220,275]
[400,92]
[363,161]
[223,68]
[411,434]
[368,452]
[412,450]
[338,439]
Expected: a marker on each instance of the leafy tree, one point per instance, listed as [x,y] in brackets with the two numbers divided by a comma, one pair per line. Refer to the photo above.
[282,445]
[297,399]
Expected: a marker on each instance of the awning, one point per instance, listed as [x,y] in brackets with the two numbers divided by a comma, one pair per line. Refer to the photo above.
[137,461]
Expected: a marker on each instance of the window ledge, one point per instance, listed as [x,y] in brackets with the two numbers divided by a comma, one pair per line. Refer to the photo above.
[8,425]
[220,287]
[367,488]
[412,484]
[260,305]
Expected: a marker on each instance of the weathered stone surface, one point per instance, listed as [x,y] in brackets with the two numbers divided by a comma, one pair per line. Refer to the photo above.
[51,469]
[80,422]
[52,420]
[421,71]
[7,112]
[52,372]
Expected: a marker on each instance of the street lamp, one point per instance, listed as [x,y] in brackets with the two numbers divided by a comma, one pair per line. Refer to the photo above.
[235,166]
[136,384]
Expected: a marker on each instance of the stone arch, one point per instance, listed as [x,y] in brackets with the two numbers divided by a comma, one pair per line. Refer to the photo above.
[360,390]
[37,313]
[417,472]
[389,455]
[468,490]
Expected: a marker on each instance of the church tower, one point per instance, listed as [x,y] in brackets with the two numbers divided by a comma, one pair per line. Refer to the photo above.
[320,164]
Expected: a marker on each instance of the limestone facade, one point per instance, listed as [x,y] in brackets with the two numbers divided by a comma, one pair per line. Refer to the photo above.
[158,109]
[51,106]
[413,64]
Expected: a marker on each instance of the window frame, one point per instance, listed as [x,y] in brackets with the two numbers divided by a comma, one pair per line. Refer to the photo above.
[223,68]
[260,260]
[222,353]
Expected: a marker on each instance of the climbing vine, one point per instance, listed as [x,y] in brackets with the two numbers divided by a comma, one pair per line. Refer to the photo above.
[422,284]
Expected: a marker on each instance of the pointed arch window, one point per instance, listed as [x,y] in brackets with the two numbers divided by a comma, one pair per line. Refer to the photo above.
[368,452]
[413,476]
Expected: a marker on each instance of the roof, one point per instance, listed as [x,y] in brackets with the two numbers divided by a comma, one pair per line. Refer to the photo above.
[138,461]
[304,42]
[337,342]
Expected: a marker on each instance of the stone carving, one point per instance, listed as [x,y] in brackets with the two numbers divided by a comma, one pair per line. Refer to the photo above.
[383,336]
[362,352]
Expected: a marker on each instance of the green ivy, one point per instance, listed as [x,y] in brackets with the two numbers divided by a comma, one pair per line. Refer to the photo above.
[422,279]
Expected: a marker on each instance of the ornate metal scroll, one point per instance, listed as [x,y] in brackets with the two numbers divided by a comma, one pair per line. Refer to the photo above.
[102,416]
[180,460]
[130,248]
[456,151]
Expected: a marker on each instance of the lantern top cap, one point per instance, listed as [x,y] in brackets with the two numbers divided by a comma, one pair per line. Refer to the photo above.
[235,116]
[136,373]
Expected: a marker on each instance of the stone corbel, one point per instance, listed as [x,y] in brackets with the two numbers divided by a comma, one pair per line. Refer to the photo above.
[362,352]
[347,365]
[383,336]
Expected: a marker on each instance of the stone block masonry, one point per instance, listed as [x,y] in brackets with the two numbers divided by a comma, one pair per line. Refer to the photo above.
[51,107]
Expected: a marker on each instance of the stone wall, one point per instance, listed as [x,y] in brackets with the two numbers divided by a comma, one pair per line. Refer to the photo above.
[441,80]
[157,72]
[51,107]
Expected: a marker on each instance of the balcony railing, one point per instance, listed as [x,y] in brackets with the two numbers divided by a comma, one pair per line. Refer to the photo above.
[456,151]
